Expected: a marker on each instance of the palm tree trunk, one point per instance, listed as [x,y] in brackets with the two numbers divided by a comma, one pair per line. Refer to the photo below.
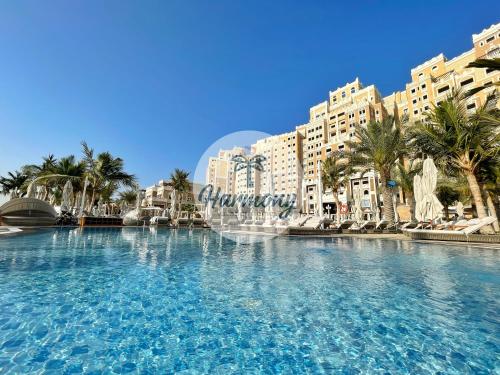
[476,194]
[337,207]
[387,195]
[493,210]
[91,203]
[478,199]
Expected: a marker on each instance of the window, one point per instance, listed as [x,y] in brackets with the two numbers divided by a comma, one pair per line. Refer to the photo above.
[434,67]
[443,89]
[423,85]
[466,82]
[490,39]
[471,106]
[413,91]
[424,97]
[489,70]
[414,101]
[343,94]
[353,90]
[415,112]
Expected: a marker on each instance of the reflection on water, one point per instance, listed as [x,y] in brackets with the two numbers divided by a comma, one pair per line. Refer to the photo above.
[125,299]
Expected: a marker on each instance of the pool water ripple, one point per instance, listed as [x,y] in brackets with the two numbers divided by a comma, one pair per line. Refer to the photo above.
[133,300]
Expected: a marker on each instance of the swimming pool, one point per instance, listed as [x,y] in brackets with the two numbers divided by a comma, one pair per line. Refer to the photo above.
[135,300]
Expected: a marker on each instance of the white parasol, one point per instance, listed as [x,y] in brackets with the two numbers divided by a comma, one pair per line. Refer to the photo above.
[432,208]
[67,195]
[418,195]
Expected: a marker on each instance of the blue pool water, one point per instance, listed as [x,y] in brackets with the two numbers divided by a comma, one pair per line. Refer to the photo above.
[132,300]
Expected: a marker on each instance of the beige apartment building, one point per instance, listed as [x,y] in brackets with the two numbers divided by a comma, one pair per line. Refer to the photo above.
[434,79]
[283,163]
[331,123]
[160,195]
[220,170]
[294,157]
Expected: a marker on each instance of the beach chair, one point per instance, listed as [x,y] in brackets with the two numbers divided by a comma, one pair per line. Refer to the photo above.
[452,234]
[381,225]
[368,225]
[314,223]
[346,223]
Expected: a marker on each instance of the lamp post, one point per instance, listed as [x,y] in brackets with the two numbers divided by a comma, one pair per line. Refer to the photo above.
[329,208]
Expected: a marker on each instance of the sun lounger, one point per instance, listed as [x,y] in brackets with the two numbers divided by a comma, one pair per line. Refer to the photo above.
[345,224]
[450,234]
[381,225]
[314,223]
[409,225]
[299,221]
[368,225]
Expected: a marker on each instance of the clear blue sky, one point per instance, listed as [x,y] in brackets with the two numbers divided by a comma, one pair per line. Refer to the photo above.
[157,82]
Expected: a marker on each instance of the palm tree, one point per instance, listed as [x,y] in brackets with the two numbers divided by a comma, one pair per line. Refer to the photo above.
[127,196]
[459,141]
[493,64]
[485,63]
[71,169]
[403,175]
[14,181]
[378,146]
[179,182]
[447,195]
[489,177]
[335,173]
[105,172]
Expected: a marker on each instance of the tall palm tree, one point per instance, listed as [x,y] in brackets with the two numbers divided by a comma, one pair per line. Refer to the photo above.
[13,181]
[403,175]
[104,172]
[335,173]
[459,140]
[179,182]
[378,146]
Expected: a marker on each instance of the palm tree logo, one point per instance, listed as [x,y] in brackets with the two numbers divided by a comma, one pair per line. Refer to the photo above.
[242,162]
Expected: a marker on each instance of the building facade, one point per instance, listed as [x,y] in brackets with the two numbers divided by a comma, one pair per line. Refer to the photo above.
[293,159]
[160,195]
[220,170]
